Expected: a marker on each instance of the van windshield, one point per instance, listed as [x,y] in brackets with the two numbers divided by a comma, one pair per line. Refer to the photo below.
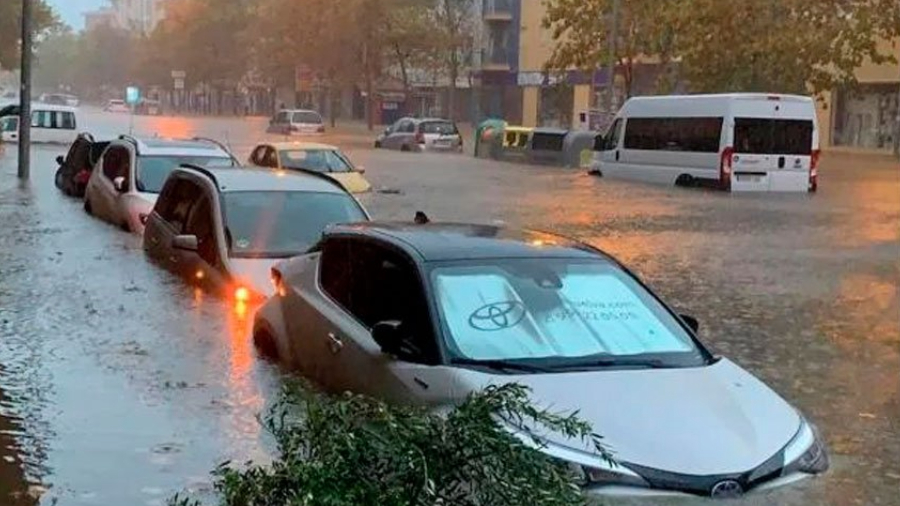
[766,136]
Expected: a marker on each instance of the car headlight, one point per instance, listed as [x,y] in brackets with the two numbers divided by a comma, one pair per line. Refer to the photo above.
[587,476]
[806,452]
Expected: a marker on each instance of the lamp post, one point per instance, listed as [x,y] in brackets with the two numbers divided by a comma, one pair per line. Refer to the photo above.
[25,95]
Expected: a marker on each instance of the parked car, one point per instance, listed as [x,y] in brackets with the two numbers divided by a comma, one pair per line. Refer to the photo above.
[76,167]
[429,313]
[421,134]
[323,158]
[224,229]
[133,171]
[54,124]
[148,107]
[116,105]
[296,122]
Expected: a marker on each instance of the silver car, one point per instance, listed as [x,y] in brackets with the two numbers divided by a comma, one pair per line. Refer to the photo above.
[421,134]
[430,313]
[129,176]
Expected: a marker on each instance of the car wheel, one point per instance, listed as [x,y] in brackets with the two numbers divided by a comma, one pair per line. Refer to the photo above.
[265,343]
[377,145]
[404,147]
[87,207]
[686,181]
[59,179]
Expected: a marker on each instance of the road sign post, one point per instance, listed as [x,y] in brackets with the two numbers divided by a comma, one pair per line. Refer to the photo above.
[24,170]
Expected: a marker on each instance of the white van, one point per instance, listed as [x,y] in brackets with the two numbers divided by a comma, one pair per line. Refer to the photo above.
[734,142]
[49,124]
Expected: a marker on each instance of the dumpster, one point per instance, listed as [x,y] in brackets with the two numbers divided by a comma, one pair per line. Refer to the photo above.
[485,134]
[578,148]
[546,146]
[515,142]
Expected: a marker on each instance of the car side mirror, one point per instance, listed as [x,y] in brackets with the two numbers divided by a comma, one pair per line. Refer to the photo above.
[691,322]
[361,169]
[185,242]
[60,160]
[119,184]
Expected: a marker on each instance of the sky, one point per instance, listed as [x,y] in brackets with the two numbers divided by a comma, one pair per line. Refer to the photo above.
[70,10]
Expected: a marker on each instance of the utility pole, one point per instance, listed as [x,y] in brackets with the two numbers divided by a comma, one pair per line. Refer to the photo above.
[25,95]
[613,57]
[897,124]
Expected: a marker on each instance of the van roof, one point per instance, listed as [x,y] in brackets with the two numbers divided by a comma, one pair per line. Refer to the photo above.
[715,104]
[51,107]
[726,96]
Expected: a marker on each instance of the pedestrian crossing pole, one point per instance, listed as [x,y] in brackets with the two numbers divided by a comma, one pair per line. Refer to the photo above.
[25,94]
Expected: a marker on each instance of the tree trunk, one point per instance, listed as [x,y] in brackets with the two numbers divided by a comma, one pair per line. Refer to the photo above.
[404,74]
[451,92]
[370,99]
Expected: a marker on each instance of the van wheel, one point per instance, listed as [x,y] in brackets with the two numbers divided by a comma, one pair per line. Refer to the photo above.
[87,207]
[377,144]
[265,343]
[686,181]
[404,148]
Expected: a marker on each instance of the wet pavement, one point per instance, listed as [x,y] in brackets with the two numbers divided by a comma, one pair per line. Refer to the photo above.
[119,385]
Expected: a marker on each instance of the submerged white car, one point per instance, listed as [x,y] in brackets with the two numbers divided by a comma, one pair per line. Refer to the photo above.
[428,313]
[128,177]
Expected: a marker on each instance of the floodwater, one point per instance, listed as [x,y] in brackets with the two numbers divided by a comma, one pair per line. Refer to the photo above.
[119,385]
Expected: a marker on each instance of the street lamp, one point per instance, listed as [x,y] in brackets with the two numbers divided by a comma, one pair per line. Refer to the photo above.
[25,94]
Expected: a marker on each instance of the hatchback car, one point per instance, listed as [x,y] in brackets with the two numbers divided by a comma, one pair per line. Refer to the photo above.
[322,158]
[430,313]
[224,229]
[296,122]
[132,172]
[416,134]
[116,105]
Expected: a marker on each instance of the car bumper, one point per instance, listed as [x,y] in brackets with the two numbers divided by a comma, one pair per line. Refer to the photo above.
[619,491]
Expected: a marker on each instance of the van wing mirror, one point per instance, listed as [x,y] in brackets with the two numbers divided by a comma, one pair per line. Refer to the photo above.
[185,242]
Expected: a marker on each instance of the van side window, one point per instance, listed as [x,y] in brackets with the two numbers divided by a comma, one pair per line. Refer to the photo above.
[699,135]
[66,120]
[613,135]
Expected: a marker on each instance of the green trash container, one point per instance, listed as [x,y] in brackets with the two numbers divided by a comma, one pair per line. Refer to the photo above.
[485,134]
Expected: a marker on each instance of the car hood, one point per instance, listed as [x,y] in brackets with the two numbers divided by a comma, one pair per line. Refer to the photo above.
[254,273]
[709,420]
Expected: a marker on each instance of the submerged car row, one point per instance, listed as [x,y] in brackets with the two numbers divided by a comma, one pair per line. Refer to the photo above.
[427,313]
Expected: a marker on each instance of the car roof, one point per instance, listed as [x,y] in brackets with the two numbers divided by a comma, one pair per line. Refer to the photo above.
[466,241]
[301,145]
[429,120]
[157,146]
[300,110]
[239,179]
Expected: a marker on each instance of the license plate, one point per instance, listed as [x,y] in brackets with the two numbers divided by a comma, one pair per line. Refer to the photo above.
[442,142]
[749,178]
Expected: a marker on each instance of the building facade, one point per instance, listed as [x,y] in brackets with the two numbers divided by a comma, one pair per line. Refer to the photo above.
[867,118]
[98,18]
[138,15]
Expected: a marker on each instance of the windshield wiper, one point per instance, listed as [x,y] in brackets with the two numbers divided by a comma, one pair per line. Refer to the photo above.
[500,365]
[648,363]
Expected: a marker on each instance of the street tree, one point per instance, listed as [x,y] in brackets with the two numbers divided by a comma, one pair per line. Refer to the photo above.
[455,37]
[409,38]
[581,30]
[44,20]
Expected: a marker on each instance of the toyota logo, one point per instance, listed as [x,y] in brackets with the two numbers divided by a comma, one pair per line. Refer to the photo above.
[727,489]
[497,316]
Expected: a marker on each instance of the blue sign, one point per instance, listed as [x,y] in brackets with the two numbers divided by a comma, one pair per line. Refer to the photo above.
[132,95]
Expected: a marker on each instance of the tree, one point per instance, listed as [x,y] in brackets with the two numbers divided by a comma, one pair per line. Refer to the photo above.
[55,57]
[581,30]
[455,22]
[793,46]
[353,450]
[781,46]
[409,40]
[44,19]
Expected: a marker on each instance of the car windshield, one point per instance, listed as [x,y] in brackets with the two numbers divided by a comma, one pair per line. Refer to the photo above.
[265,224]
[318,160]
[306,117]
[557,313]
[438,127]
[152,171]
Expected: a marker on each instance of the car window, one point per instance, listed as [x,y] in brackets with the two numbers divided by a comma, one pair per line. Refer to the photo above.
[281,224]
[438,127]
[306,117]
[554,309]
[152,171]
[409,127]
[116,162]
[773,136]
[200,223]
[257,157]
[334,271]
[67,120]
[613,134]
[42,119]
[9,124]
[318,160]
[175,205]
[281,117]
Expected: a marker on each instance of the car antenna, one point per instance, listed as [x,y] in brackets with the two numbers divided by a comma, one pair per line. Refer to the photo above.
[421,218]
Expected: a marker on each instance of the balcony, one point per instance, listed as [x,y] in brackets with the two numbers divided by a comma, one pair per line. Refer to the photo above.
[498,10]
[496,58]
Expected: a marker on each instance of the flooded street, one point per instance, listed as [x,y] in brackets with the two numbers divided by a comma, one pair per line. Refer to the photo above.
[120,385]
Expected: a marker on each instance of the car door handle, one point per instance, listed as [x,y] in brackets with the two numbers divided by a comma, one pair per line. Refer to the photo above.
[335,343]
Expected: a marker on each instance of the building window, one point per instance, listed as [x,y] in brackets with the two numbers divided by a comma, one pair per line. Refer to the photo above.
[866,118]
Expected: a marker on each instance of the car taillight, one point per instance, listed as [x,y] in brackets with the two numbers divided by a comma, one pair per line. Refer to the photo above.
[241,294]
[82,177]
[420,138]
[725,168]
[814,170]
[278,282]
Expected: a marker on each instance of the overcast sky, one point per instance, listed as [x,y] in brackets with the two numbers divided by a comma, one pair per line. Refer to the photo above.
[70,10]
